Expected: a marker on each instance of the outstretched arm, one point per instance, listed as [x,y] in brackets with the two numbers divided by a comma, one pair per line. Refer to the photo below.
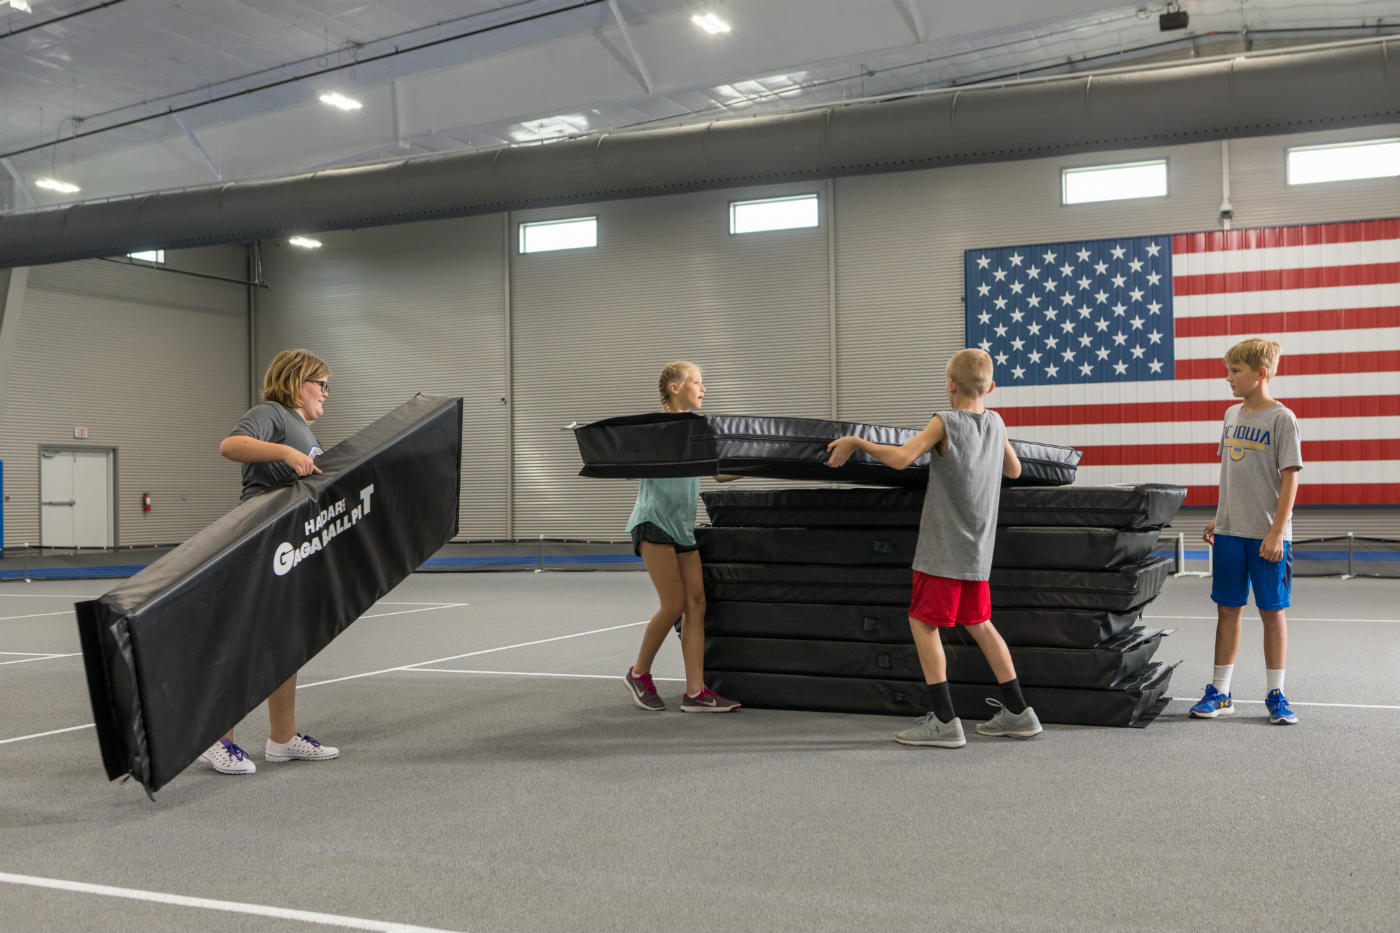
[898,457]
[1010,463]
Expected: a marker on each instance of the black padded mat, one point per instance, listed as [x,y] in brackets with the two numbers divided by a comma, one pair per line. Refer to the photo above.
[693,444]
[1117,589]
[1061,628]
[1016,546]
[1137,506]
[1134,703]
[1099,667]
[180,652]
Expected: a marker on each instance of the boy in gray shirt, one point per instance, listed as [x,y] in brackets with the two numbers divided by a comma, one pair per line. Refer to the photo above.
[1251,534]
[968,455]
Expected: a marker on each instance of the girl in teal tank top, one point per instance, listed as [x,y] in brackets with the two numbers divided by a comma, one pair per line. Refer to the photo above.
[662,525]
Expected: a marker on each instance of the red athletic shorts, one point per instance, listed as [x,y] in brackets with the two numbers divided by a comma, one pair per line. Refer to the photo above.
[943,602]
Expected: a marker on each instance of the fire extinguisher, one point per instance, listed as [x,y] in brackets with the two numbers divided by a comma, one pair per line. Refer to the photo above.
[145,501]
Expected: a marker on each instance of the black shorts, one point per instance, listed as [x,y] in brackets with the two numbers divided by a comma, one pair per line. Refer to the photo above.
[646,531]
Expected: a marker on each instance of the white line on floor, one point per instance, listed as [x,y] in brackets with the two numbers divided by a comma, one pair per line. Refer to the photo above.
[402,602]
[47,657]
[206,903]
[1192,699]
[470,654]
[35,615]
[72,596]
[1157,618]
[40,735]
[404,612]
[33,654]
[420,669]
[453,670]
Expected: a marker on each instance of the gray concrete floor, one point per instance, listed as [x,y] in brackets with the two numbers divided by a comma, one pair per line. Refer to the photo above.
[494,776]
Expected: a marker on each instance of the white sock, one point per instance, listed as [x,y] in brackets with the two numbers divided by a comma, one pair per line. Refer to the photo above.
[1221,677]
[1275,680]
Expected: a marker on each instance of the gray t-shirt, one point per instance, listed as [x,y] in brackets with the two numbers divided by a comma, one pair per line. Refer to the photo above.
[958,529]
[276,424]
[1255,448]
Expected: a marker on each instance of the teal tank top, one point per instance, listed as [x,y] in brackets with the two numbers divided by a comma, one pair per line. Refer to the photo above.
[669,504]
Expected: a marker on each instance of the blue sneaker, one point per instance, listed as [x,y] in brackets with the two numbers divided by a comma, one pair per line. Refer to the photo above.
[1280,713]
[1213,704]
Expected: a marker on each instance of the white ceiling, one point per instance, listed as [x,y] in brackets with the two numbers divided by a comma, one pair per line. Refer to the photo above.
[145,95]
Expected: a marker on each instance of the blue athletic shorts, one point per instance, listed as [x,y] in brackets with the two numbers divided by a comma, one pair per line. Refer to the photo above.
[1238,564]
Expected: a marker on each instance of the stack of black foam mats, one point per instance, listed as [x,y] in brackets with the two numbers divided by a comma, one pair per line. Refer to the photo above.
[808,593]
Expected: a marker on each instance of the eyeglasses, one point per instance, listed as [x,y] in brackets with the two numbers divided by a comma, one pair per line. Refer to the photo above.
[323,383]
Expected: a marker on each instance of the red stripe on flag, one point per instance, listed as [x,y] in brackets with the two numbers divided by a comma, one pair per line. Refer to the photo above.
[1138,412]
[1320,494]
[1266,237]
[1204,452]
[1305,364]
[1286,321]
[1264,280]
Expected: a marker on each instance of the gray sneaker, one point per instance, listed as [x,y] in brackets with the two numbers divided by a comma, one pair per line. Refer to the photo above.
[930,730]
[644,692]
[1022,725]
[707,701]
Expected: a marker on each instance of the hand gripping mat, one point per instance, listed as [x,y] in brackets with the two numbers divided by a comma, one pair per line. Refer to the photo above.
[1100,667]
[1056,628]
[1135,702]
[1141,506]
[179,653]
[1117,589]
[691,444]
[1016,546]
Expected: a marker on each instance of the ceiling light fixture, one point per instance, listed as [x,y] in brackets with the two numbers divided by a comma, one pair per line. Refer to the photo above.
[710,23]
[336,99]
[53,184]
[21,5]
[305,242]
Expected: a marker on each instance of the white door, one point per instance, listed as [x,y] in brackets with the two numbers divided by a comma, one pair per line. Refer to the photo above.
[75,498]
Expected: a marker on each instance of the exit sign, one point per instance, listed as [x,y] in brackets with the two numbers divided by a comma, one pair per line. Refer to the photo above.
[80,432]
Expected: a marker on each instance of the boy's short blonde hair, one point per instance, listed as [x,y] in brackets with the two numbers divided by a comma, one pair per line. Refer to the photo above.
[1254,353]
[971,369]
[288,372]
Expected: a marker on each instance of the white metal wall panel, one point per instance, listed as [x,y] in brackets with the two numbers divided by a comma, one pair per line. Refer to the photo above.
[593,327]
[1262,198]
[396,311]
[150,362]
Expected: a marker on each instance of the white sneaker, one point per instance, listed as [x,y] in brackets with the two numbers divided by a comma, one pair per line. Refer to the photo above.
[227,758]
[299,748]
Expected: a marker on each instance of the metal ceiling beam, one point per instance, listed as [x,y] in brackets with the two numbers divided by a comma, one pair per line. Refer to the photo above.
[914,17]
[194,141]
[21,185]
[632,47]
[1355,84]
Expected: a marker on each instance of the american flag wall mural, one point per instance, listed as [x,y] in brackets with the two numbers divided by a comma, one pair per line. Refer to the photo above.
[1115,346]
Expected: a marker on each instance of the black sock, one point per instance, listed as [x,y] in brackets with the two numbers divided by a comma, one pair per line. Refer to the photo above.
[1011,696]
[941,701]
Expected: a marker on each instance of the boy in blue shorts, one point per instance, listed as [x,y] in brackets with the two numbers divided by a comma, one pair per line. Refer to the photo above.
[1260,456]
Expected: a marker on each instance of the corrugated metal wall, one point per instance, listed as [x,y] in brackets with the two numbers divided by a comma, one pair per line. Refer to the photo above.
[592,329]
[152,363]
[449,307]
[401,310]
